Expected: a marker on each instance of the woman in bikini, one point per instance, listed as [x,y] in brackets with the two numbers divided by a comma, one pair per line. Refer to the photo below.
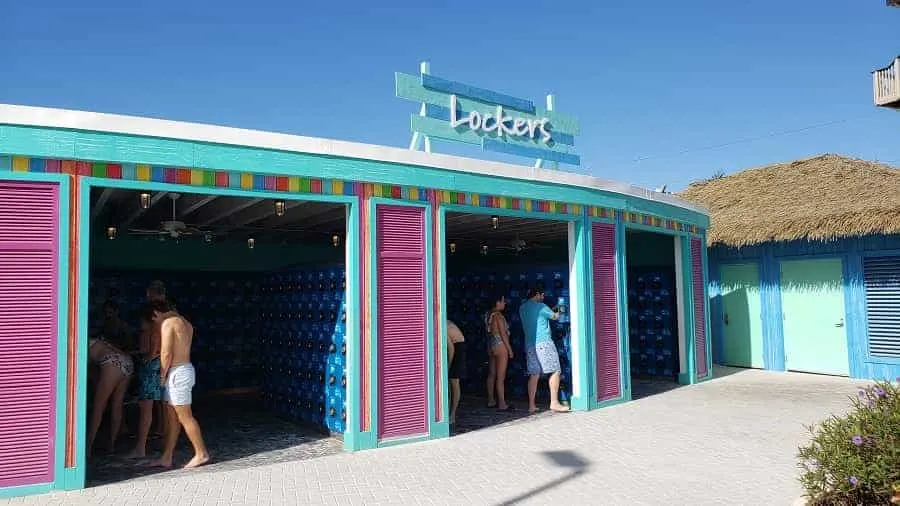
[499,353]
[115,371]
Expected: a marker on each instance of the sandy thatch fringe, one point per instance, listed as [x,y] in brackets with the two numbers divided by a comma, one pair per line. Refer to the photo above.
[822,198]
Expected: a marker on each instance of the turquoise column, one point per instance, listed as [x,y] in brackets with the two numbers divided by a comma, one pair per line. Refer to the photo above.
[622,305]
[686,294]
[580,298]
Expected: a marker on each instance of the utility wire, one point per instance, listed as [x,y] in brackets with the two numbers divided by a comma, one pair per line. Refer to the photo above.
[754,139]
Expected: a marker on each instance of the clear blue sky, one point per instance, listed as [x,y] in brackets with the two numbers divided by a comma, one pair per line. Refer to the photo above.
[648,81]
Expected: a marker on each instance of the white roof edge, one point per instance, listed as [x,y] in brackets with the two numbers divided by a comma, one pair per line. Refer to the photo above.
[180,130]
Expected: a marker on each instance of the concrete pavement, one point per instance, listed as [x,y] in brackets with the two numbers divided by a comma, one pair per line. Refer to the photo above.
[732,440]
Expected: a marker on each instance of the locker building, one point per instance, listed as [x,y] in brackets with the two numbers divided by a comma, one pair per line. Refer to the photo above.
[319,274]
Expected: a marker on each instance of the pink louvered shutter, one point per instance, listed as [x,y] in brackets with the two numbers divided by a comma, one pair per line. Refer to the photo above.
[699,307]
[28,331]
[606,312]
[402,310]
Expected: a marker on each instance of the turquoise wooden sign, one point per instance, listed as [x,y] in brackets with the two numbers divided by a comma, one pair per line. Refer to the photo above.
[497,122]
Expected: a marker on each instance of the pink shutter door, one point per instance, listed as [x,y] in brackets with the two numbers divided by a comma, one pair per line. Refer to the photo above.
[606,312]
[402,339]
[28,331]
[699,307]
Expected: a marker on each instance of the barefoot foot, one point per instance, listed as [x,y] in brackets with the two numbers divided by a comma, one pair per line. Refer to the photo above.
[161,463]
[559,408]
[197,461]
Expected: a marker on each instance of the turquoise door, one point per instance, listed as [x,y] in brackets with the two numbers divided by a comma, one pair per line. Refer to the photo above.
[812,303]
[742,316]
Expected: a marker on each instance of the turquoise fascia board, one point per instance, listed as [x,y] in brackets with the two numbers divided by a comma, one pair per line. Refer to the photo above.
[518,213]
[529,151]
[410,87]
[441,113]
[481,94]
[62,342]
[657,230]
[442,130]
[213,190]
[120,148]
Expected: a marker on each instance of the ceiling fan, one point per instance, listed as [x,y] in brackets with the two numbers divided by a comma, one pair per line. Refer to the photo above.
[520,246]
[173,228]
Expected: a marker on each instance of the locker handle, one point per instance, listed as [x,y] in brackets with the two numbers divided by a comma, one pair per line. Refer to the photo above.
[840,323]
[726,318]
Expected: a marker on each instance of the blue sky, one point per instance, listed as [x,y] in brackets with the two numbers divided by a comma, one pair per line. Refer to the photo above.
[654,84]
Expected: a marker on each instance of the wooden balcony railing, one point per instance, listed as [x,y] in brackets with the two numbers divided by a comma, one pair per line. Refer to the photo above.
[886,83]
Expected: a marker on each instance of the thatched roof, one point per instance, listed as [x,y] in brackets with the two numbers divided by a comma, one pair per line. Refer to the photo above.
[821,198]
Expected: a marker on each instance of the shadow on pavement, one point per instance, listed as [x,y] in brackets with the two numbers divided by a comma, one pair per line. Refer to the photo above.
[564,459]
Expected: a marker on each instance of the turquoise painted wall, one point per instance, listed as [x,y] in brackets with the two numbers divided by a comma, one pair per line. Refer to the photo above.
[769,256]
[646,249]
[140,253]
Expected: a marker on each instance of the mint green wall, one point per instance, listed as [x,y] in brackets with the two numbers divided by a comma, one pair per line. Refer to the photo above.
[140,253]
[646,249]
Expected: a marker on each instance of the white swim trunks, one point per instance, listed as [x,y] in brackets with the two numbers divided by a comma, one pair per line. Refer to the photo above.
[179,384]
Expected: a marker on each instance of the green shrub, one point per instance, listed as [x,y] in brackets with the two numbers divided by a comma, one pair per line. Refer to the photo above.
[855,459]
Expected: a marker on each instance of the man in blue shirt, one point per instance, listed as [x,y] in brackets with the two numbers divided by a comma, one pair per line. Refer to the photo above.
[541,354]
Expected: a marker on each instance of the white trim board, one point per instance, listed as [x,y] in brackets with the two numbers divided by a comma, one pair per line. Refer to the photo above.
[180,130]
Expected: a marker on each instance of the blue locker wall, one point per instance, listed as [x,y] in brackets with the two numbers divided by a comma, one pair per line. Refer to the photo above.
[468,294]
[282,331]
[652,322]
[304,352]
[220,306]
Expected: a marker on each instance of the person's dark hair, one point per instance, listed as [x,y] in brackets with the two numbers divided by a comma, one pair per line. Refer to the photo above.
[160,306]
[494,299]
[533,292]
[146,312]
[157,289]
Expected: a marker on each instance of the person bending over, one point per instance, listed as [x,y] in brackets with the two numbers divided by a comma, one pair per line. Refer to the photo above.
[456,369]
[541,355]
[116,370]
[178,376]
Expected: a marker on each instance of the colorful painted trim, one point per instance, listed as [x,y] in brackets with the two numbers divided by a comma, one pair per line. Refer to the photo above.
[646,220]
[318,186]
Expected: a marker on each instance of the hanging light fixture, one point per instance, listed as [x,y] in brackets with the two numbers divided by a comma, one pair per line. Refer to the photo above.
[484,249]
[111,233]
[452,247]
[207,237]
[279,208]
[145,200]
[335,240]
[495,222]
[251,243]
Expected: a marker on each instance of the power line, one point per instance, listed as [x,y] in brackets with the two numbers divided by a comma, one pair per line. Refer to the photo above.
[754,139]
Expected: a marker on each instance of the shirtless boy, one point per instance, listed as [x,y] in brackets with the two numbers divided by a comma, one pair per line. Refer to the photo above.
[178,376]
[150,391]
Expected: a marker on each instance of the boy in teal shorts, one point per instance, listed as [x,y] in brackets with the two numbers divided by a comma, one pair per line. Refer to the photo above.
[150,391]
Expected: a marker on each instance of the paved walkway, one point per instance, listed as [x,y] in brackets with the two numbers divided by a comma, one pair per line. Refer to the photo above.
[728,441]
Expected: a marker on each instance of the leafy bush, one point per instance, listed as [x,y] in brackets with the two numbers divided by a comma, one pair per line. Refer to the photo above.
[855,459]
